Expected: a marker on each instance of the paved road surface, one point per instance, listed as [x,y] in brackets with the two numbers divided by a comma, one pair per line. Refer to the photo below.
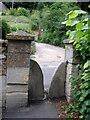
[39,109]
[49,57]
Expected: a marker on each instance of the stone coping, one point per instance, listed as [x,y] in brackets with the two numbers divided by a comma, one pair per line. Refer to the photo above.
[67,41]
[20,35]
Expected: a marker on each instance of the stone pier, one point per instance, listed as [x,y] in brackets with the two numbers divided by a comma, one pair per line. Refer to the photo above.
[18,62]
[71,69]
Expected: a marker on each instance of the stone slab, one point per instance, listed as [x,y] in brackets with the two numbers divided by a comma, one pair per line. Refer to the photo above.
[17,75]
[18,60]
[16,88]
[57,85]
[36,87]
[16,100]
[20,35]
[19,46]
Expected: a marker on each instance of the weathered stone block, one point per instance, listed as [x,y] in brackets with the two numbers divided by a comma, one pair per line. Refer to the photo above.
[36,88]
[19,46]
[17,75]
[72,70]
[18,60]
[16,88]
[57,85]
[69,99]
[16,100]
[68,89]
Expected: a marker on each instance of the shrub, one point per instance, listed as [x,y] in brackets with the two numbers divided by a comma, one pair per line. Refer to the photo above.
[3,13]
[17,12]
[22,12]
[5,29]
[11,12]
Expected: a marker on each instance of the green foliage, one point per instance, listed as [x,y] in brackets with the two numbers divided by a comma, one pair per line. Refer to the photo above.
[81,42]
[5,29]
[17,12]
[22,12]
[52,18]
[34,20]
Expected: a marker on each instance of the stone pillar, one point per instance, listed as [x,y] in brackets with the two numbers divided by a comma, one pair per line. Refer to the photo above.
[18,62]
[3,68]
[71,69]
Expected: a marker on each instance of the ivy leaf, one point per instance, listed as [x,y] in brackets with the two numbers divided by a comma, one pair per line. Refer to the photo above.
[79,34]
[85,27]
[75,22]
[69,22]
[69,13]
[86,19]
[80,12]
[87,102]
[71,41]
[64,22]
[73,15]
[68,32]
[79,26]
[87,64]
[72,34]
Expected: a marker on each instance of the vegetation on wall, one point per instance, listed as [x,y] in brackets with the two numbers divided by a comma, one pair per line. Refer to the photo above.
[80,38]
[5,28]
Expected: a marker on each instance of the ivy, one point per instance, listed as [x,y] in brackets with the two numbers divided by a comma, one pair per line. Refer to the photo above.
[78,19]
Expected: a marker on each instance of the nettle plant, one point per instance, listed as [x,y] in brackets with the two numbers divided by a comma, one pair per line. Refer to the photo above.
[80,38]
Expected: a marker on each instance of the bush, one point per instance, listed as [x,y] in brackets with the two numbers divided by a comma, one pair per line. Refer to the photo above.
[11,12]
[5,29]
[3,13]
[17,12]
[22,12]
[52,18]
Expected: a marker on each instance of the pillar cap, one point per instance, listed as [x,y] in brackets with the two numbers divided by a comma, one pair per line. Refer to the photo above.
[20,35]
[67,41]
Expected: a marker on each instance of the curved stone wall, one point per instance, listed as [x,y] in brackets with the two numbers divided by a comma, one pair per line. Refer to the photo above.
[57,85]
[36,87]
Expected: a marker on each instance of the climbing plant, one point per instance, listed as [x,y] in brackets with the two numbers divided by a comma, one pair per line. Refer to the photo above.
[80,37]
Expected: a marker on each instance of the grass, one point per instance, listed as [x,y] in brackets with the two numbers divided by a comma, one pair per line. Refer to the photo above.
[18,23]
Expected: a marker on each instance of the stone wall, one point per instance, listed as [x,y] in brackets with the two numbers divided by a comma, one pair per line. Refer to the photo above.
[18,62]
[3,68]
[71,69]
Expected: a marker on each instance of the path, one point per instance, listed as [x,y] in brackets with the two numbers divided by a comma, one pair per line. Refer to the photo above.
[49,57]
[39,109]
